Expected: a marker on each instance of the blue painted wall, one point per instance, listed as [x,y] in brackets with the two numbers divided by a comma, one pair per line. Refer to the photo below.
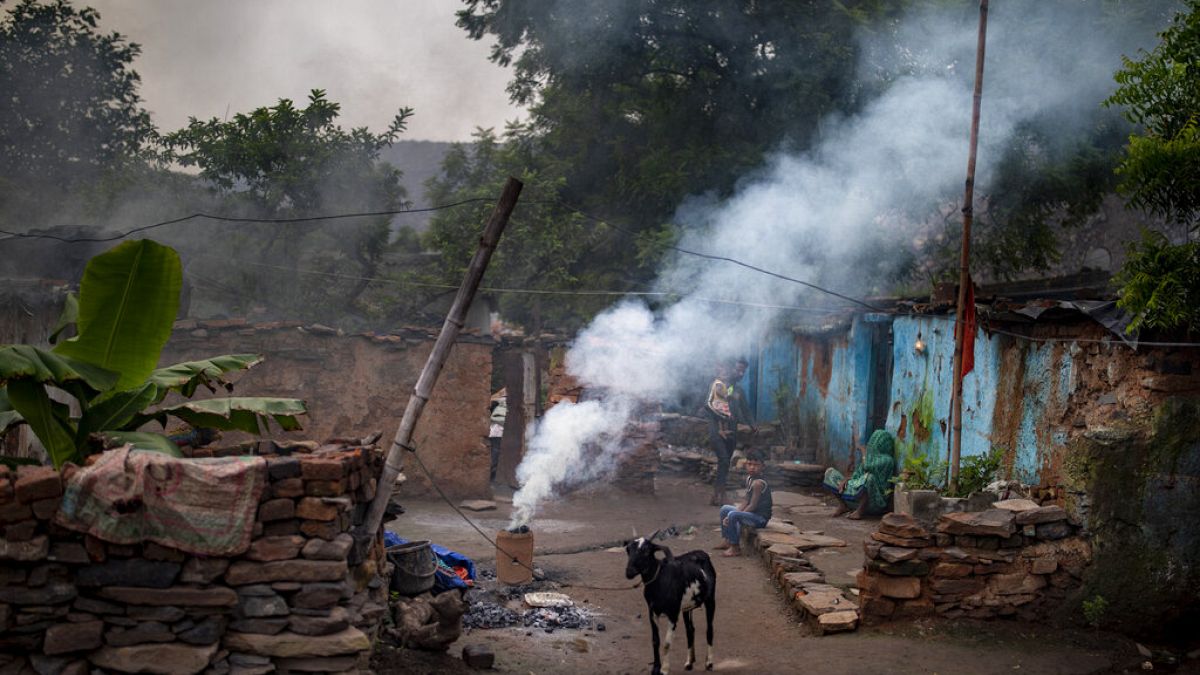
[1014,398]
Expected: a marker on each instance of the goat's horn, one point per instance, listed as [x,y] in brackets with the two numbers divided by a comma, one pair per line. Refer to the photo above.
[653,536]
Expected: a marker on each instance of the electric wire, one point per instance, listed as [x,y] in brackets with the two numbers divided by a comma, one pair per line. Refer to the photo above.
[235,219]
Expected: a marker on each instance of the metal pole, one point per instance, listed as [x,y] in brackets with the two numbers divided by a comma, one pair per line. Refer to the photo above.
[441,350]
[964,275]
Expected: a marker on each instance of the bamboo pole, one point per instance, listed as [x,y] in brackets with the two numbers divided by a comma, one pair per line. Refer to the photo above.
[441,350]
[964,275]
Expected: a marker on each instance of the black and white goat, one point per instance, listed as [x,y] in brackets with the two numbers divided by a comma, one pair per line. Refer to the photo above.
[674,585]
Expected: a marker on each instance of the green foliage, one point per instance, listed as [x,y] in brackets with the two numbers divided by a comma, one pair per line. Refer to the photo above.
[546,246]
[109,367]
[1094,609]
[123,297]
[1160,284]
[71,106]
[1160,92]
[920,471]
[977,472]
[286,161]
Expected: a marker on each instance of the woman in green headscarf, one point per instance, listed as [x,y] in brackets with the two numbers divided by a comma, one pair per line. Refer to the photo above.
[868,490]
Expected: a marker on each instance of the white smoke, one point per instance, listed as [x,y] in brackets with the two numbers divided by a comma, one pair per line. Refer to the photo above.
[817,216]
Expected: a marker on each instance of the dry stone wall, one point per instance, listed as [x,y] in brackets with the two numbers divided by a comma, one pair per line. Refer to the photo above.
[1020,560]
[305,596]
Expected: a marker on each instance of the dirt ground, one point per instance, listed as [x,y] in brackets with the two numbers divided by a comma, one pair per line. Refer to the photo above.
[756,632]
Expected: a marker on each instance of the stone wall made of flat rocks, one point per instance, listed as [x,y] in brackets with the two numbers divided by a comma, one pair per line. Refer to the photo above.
[1018,560]
[306,596]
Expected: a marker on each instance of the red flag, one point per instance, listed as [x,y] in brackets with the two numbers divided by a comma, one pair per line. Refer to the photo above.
[969,325]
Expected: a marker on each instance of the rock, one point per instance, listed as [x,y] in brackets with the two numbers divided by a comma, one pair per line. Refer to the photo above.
[478,657]
[317,596]
[144,632]
[993,522]
[318,664]
[291,645]
[286,586]
[216,596]
[1015,505]
[154,551]
[316,468]
[336,622]
[1056,530]
[249,660]
[261,590]
[289,488]
[161,659]
[203,570]
[478,505]
[820,602]
[64,638]
[94,606]
[315,508]
[69,552]
[811,541]
[799,578]
[260,626]
[165,614]
[897,587]
[129,572]
[280,468]
[35,483]
[904,568]
[268,549]
[902,525]
[206,632]
[280,528]
[1009,584]
[276,509]
[32,550]
[1043,566]
[243,572]
[895,554]
[47,665]
[948,570]
[906,542]
[50,594]
[263,606]
[871,548]
[1042,514]
[336,549]
[14,512]
[956,586]
[836,622]
[324,529]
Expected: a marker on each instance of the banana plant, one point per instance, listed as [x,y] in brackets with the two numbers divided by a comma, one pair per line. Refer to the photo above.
[123,317]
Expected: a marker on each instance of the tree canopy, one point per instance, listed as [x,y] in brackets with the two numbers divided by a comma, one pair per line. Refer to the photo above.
[72,109]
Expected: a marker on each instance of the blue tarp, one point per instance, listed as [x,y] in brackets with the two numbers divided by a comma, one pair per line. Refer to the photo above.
[444,577]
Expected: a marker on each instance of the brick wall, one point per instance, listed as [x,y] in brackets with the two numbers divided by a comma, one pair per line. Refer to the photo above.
[303,597]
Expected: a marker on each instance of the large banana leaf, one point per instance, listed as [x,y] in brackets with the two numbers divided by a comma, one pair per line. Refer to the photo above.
[69,317]
[115,411]
[128,300]
[143,441]
[49,419]
[26,362]
[242,414]
[8,416]
[188,376]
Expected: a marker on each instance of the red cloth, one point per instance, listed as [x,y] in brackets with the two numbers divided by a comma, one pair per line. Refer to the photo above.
[969,326]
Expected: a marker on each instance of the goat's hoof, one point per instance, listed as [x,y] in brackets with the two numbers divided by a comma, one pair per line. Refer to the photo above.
[687,666]
[708,666]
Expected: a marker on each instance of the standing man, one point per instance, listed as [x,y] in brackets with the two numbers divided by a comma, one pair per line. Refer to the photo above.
[722,433]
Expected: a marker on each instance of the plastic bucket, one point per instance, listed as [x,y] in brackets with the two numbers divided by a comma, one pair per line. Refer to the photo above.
[520,546]
[414,567]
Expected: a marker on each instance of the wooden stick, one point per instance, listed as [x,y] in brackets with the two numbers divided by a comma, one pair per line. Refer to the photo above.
[964,275]
[441,351]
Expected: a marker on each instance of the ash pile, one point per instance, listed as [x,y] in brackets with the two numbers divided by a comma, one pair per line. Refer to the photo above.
[505,606]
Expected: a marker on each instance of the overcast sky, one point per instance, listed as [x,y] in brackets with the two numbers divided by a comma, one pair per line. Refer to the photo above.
[203,58]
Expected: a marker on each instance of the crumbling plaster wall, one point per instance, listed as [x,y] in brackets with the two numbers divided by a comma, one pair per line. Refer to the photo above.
[355,385]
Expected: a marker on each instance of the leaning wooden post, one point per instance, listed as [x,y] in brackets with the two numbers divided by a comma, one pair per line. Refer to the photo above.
[964,276]
[441,350]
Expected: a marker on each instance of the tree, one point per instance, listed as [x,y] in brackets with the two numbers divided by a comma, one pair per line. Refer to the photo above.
[1160,93]
[72,109]
[1160,281]
[282,162]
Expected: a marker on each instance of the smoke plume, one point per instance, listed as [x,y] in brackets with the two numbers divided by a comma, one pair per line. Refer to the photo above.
[838,215]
